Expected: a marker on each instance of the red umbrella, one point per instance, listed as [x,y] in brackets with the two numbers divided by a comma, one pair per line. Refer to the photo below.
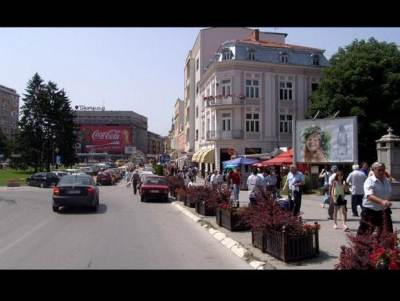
[285,158]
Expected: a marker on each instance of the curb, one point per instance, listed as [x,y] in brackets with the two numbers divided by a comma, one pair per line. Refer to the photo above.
[234,246]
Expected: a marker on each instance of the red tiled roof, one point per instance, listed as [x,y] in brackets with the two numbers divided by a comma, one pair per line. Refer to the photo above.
[276,45]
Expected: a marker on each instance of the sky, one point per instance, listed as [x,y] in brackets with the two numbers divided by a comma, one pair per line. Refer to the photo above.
[138,69]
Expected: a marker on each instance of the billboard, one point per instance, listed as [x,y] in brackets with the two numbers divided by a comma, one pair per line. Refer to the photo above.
[104,139]
[326,140]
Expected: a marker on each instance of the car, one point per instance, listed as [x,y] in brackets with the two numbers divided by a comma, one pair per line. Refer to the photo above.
[76,191]
[60,173]
[43,179]
[104,178]
[154,187]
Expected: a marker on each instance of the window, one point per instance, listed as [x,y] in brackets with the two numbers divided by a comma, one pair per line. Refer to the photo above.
[285,124]
[252,88]
[197,135]
[285,90]
[284,58]
[252,122]
[251,55]
[315,60]
[197,111]
[314,86]
[226,121]
[226,87]
[227,54]
[197,64]
[197,89]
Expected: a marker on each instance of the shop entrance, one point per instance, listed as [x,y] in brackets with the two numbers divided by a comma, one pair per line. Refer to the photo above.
[225,156]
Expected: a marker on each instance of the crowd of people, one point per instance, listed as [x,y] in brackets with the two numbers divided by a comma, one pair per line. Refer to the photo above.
[370,191]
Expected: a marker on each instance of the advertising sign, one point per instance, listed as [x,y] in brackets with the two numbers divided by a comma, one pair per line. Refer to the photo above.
[129,150]
[326,140]
[104,139]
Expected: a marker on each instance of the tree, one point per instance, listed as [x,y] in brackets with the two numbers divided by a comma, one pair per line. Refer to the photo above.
[363,80]
[3,144]
[46,125]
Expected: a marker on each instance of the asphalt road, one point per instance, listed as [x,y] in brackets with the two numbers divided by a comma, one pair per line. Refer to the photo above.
[123,234]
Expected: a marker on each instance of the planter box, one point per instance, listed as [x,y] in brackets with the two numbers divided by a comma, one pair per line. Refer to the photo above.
[188,203]
[203,210]
[229,220]
[285,247]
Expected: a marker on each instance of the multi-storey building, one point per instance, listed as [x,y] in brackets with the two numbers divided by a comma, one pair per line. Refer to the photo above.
[249,94]
[9,111]
[155,144]
[207,43]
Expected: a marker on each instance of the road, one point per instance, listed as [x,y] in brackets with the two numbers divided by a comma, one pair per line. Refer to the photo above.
[123,234]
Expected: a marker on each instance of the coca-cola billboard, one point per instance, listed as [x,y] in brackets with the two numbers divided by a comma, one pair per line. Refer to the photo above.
[104,139]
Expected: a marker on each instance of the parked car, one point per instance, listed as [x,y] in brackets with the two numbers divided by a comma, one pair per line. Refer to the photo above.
[76,191]
[154,187]
[105,178]
[60,173]
[43,179]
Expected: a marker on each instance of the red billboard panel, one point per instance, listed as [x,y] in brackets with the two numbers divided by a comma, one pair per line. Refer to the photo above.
[104,138]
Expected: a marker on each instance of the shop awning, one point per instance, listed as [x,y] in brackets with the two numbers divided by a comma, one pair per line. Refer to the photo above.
[208,156]
[196,155]
[285,158]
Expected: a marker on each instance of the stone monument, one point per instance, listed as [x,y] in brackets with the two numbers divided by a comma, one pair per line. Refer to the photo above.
[388,150]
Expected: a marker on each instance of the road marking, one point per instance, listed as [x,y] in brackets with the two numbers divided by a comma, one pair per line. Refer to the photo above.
[26,235]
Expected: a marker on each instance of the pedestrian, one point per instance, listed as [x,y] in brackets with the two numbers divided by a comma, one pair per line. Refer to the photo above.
[135,180]
[325,174]
[255,186]
[214,180]
[339,200]
[331,207]
[356,179]
[220,179]
[270,181]
[295,181]
[365,168]
[376,212]
[235,180]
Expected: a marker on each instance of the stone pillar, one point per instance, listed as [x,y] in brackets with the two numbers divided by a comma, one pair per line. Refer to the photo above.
[388,150]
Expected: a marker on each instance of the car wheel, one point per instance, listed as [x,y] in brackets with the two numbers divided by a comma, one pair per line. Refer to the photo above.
[56,209]
[142,198]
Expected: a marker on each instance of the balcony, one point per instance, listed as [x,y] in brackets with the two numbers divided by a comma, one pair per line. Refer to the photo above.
[222,101]
[224,135]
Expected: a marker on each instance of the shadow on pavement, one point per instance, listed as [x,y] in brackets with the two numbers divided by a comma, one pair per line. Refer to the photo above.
[323,256]
[100,210]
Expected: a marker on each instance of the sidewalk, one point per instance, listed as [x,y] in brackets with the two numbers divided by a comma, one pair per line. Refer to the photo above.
[330,240]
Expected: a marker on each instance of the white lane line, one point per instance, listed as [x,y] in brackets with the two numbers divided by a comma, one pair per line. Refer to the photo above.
[26,234]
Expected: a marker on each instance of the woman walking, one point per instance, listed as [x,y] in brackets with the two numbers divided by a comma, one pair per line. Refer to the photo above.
[339,201]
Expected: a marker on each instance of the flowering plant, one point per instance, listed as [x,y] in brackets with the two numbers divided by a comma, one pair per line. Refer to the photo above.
[385,259]
[311,228]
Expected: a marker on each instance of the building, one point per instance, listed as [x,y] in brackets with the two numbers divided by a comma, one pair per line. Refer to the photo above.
[207,43]
[155,144]
[249,94]
[9,111]
[179,135]
[115,133]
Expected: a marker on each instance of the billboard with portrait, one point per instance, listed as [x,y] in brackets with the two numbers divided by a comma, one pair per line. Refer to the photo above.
[104,139]
[326,140]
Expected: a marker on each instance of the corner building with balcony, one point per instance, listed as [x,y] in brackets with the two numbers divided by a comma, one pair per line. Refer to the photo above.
[250,93]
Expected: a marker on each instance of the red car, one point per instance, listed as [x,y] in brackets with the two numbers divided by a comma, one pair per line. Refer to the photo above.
[105,178]
[155,188]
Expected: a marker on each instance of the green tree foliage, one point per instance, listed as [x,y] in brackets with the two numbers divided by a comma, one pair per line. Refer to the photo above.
[46,124]
[3,144]
[363,80]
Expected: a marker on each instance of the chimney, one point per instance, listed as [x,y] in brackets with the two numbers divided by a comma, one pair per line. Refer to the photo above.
[256,35]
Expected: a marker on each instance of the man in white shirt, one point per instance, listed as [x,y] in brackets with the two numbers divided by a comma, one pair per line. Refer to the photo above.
[255,186]
[356,179]
[214,179]
[376,212]
[295,180]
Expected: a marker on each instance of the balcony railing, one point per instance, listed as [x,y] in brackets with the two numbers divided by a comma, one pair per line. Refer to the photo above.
[223,101]
[222,135]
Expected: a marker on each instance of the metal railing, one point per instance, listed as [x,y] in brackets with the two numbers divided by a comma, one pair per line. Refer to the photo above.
[224,101]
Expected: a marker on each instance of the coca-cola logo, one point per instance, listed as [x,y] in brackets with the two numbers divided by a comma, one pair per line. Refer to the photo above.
[106,135]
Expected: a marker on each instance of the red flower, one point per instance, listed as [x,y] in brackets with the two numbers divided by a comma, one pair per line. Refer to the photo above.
[393,265]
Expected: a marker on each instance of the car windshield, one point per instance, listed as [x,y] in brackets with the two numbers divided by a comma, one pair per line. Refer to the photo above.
[155,181]
[75,180]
